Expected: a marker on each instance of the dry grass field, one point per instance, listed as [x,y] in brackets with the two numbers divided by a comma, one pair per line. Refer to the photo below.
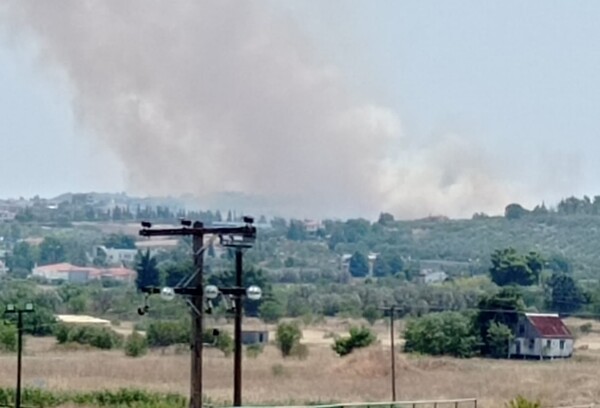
[362,376]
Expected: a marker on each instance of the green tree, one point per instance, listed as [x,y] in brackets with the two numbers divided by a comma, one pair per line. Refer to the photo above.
[8,337]
[359,265]
[515,211]
[296,231]
[174,273]
[508,267]
[371,314]
[147,271]
[136,345]
[52,250]
[359,337]
[565,296]
[120,241]
[270,311]
[498,339]
[287,337]
[446,333]
[23,257]
[500,308]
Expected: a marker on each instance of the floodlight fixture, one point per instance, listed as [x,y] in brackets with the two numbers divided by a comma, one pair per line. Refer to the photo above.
[10,308]
[29,307]
[211,292]
[254,292]
[167,293]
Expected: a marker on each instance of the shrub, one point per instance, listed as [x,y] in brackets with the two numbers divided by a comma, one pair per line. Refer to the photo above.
[166,333]
[586,328]
[136,345]
[288,335]
[521,402]
[8,337]
[223,341]
[99,337]
[498,337]
[270,311]
[447,333]
[254,350]
[359,337]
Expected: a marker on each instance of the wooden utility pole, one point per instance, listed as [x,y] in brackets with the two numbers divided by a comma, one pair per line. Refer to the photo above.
[194,289]
[11,309]
[197,320]
[392,312]
[237,362]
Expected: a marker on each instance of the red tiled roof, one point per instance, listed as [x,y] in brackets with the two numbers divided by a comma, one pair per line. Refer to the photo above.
[549,326]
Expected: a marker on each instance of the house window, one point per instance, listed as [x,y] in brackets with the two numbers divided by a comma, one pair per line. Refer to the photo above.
[521,329]
[531,343]
[548,343]
[562,344]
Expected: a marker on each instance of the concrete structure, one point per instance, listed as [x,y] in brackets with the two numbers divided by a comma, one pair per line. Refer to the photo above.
[65,272]
[6,215]
[255,337]
[541,336]
[115,256]
[82,319]
[428,276]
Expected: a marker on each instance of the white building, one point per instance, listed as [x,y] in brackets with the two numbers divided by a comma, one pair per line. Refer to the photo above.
[115,256]
[541,336]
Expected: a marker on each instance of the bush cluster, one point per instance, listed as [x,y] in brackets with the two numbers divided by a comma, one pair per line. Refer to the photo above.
[99,337]
[359,337]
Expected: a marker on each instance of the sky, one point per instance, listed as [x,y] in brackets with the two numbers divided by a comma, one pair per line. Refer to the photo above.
[475,104]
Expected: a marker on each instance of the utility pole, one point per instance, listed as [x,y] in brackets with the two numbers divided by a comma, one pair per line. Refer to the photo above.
[237,363]
[11,309]
[194,287]
[197,341]
[392,311]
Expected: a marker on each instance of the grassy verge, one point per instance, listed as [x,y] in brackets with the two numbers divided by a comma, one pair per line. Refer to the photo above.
[37,398]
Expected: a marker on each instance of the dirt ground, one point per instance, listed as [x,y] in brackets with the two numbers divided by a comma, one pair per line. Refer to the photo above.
[323,376]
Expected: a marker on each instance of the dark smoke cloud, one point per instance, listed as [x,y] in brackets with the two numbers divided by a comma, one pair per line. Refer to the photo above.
[208,96]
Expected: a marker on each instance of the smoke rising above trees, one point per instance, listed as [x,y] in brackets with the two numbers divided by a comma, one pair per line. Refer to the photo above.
[203,97]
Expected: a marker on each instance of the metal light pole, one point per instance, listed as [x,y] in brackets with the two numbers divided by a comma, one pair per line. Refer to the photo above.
[193,287]
[11,309]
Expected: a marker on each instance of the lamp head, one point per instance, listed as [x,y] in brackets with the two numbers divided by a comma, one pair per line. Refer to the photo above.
[167,293]
[254,292]
[211,292]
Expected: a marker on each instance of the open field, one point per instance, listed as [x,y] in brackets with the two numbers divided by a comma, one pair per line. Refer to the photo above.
[362,376]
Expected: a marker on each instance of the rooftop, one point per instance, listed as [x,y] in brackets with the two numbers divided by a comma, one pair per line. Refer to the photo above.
[549,325]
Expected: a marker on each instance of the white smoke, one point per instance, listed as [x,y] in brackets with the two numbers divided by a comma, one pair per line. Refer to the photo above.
[209,96]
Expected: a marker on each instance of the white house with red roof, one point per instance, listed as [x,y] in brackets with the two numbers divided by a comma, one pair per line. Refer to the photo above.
[541,335]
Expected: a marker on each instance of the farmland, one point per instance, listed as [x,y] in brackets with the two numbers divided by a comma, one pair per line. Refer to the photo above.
[322,376]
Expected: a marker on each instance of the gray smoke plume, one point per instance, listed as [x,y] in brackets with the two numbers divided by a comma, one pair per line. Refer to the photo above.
[209,96]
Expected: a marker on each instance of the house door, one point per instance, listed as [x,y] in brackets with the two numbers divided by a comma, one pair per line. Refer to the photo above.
[518,347]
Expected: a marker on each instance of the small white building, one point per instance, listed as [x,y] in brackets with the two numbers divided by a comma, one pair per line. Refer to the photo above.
[115,256]
[3,268]
[541,336]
